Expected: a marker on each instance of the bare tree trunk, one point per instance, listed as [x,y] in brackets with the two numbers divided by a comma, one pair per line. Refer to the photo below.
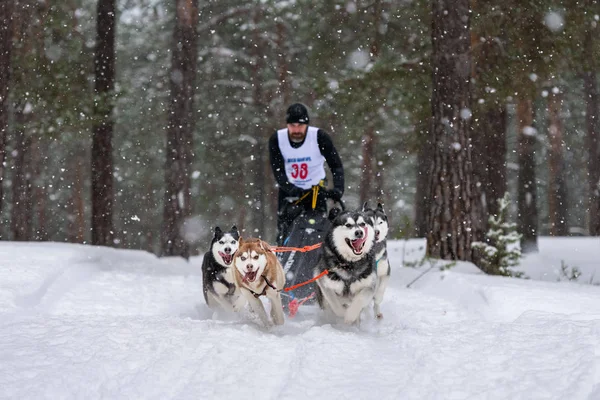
[283,64]
[149,204]
[592,122]
[6,12]
[368,154]
[489,135]
[180,128]
[422,203]
[40,194]
[76,230]
[450,190]
[557,189]
[527,223]
[367,178]
[495,155]
[22,207]
[258,95]
[102,162]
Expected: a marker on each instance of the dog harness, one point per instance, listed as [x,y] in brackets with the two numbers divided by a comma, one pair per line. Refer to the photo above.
[304,166]
[257,295]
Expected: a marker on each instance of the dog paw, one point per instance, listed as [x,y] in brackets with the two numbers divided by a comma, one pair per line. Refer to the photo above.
[379,316]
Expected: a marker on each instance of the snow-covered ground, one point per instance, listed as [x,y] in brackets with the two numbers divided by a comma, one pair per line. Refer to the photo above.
[81,322]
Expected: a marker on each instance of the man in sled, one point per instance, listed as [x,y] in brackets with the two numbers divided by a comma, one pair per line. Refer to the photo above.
[298,153]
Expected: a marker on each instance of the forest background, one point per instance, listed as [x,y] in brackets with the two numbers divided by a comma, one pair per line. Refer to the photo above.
[142,124]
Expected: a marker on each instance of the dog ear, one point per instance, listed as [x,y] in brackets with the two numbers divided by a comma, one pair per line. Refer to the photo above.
[333,213]
[218,231]
[365,207]
[234,232]
[265,246]
[240,241]
[379,207]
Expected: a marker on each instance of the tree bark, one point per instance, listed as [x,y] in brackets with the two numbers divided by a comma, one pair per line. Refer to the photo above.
[592,122]
[258,99]
[422,203]
[22,206]
[40,192]
[495,156]
[101,158]
[76,230]
[367,177]
[180,128]
[6,13]
[284,86]
[527,223]
[449,220]
[557,188]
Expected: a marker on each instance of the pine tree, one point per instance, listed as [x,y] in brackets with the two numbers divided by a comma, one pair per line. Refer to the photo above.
[500,251]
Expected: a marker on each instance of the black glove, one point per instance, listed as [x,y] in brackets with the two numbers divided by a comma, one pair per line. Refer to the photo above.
[334,194]
[296,192]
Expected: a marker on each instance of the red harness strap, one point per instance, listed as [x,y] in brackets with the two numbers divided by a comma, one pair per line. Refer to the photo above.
[322,274]
[304,249]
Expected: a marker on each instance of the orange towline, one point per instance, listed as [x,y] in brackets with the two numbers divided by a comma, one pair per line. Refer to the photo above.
[322,274]
[304,249]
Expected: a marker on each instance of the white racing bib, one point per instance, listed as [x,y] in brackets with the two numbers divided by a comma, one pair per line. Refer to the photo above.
[304,165]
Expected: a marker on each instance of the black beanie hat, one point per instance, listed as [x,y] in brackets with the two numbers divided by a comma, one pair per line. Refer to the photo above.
[297,113]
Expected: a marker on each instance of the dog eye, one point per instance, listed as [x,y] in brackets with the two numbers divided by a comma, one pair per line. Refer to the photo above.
[221,242]
[243,258]
[362,224]
[348,225]
[255,257]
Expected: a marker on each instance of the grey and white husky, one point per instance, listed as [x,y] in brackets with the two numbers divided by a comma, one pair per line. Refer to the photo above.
[347,255]
[379,221]
[220,292]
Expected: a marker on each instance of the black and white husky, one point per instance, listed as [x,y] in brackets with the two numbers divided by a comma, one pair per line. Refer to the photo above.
[218,285]
[379,221]
[347,255]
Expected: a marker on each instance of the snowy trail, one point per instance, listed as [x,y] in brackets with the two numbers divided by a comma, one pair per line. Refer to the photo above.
[81,322]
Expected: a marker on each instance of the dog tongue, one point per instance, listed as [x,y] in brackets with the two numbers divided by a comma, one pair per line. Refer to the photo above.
[357,244]
[250,276]
[226,257]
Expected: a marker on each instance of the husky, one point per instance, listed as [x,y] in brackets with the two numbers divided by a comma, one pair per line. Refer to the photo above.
[379,222]
[220,292]
[258,273]
[347,255]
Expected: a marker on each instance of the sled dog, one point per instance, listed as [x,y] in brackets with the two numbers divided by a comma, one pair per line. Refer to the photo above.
[218,286]
[379,221]
[258,273]
[347,255]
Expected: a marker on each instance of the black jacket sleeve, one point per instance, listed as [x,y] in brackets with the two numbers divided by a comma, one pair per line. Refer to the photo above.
[333,159]
[278,167]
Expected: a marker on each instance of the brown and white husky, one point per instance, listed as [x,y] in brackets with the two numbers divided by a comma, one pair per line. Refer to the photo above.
[258,273]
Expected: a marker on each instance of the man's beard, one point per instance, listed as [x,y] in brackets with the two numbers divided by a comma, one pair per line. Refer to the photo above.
[297,139]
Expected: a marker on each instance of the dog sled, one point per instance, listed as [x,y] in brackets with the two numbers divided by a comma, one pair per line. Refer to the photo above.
[307,231]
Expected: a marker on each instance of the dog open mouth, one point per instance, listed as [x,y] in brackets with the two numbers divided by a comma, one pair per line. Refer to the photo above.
[357,245]
[250,276]
[227,258]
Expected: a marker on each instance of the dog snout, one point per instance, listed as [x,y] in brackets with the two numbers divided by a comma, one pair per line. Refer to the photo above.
[249,267]
[358,233]
[227,250]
